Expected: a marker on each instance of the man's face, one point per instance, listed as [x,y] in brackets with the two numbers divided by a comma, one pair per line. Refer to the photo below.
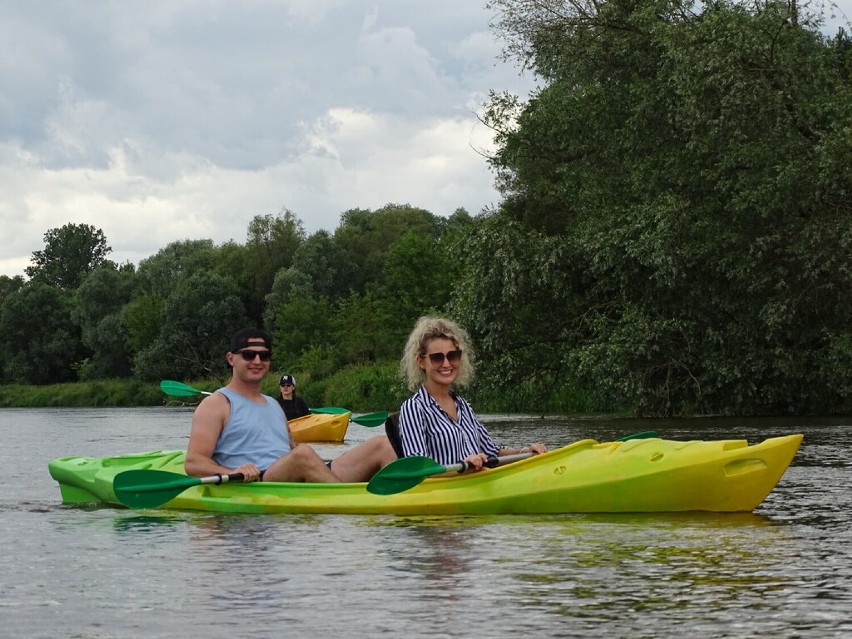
[252,362]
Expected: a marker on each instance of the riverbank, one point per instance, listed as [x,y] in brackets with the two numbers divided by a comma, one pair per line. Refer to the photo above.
[361,389]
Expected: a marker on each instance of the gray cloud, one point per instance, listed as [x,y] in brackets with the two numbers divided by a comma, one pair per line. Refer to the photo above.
[163,120]
[160,120]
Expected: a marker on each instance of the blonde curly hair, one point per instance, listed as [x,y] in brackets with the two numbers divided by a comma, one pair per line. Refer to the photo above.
[427,329]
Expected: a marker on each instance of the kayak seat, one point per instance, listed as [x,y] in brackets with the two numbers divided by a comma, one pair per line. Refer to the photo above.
[392,431]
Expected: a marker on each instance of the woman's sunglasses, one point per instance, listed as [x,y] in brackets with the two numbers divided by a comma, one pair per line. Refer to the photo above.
[438,358]
[249,355]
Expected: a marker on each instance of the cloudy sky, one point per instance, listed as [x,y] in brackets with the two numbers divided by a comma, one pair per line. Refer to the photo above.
[165,120]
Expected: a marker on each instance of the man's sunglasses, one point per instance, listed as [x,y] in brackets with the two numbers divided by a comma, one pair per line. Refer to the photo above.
[438,358]
[249,355]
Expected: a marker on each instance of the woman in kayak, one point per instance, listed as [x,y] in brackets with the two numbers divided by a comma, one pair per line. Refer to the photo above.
[435,422]
[293,405]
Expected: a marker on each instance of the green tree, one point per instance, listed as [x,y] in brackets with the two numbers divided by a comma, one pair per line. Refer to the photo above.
[290,284]
[515,292]
[234,260]
[363,330]
[272,243]
[70,253]
[42,347]
[9,285]
[696,166]
[143,318]
[198,319]
[302,323]
[416,280]
[326,265]
[161,273]
[100,302]
[365,238]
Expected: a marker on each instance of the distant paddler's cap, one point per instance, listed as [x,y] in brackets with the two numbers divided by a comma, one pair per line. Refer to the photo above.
[287,379]
[249,337]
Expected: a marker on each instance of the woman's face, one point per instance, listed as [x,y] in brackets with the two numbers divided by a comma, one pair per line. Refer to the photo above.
[441,361]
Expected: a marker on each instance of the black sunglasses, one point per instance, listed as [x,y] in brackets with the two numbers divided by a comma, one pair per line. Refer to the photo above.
[438,358]
[249,355]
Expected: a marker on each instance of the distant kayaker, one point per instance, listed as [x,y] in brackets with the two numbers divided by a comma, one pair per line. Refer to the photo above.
[238,429]
[293,405]
[436,422]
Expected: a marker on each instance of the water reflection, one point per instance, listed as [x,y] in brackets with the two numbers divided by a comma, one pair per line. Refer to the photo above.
[591,569]
[439,555]
[134,523]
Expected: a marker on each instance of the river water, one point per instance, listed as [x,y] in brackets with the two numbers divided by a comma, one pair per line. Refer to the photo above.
[784,570]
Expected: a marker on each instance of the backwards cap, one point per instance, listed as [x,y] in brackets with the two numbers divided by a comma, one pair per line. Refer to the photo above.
[240,340]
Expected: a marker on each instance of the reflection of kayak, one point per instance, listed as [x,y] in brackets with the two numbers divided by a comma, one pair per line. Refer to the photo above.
[639,475]
[320,427]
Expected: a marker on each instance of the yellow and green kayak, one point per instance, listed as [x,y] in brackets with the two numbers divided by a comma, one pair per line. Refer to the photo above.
[638,475]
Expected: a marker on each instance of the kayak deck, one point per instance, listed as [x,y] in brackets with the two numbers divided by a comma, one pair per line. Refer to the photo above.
[640,475]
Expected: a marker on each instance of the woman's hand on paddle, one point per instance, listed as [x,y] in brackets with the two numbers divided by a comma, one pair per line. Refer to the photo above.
[477,461]
[538,448]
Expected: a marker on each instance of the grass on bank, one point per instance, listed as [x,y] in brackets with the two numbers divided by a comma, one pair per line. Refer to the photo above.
[99,394]
[359,388]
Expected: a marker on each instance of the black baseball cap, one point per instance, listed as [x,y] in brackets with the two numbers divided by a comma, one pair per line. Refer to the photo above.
[287,379]
[240,340]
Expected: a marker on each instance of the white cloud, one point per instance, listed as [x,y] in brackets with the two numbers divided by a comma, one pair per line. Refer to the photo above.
[346,159]
[160,121]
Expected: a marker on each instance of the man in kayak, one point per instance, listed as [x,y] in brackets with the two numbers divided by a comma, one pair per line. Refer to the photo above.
[293,405]
[238,429]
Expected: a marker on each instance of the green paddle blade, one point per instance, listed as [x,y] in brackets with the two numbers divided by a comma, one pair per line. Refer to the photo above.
[371,420]
[330,410]
[402,474]
[178,389]
[150,488]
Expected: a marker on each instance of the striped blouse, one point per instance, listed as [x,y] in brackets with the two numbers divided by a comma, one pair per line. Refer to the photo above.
[426,429]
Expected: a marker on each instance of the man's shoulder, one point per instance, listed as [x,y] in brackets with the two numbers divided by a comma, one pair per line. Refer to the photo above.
[217,398]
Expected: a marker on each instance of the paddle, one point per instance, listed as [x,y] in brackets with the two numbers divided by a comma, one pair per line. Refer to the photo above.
[152,488]
[407,472]
[178,389]
[370,420]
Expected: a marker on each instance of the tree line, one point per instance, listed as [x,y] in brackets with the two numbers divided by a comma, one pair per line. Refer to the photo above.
[335,298]
[674,237]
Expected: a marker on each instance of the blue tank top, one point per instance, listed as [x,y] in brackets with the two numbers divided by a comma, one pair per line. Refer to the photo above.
[255,433]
